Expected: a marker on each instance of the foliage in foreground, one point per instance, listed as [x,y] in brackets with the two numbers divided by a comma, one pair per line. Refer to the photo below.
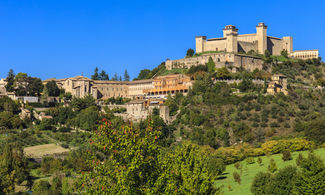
[309,178]
[135,163]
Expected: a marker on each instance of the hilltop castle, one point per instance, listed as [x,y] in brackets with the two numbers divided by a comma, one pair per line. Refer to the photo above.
[230,50]
[234,43]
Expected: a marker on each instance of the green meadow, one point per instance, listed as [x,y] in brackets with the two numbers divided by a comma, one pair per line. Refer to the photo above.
[248,171]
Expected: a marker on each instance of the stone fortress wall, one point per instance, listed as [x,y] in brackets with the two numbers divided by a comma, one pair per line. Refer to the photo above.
[229,60]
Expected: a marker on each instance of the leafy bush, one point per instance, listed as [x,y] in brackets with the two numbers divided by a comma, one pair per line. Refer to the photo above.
[277,146]
[286,155]
[272,166]
[236,177]
[250,160]
[259,160]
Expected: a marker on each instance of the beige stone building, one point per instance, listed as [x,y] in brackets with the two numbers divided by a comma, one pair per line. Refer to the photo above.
[136,88]
[229,50]
[3,84]
[170,84]
[140,109]
[25,114]
[277,85]
[81,86]
[305,54]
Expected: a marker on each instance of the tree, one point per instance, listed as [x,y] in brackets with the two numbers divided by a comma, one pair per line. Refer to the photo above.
[132,163]
[260,185]
[186,170]
[144,74]
[126,76]
[10,80]
[87,118]
[267,56]
[26,85]
[284,53]
[211,65]
[245,85]
[315,130]
[52,89]
[13,167]
[286,155]
[20,84]
[283,181]
[95,76]
[35,86]
[236,177]
[82,103]
[223,73]
[115,77]
[103,76]
[311,177]
[41,187]
[7,104]
[272,166]
[189,52]
[267,53]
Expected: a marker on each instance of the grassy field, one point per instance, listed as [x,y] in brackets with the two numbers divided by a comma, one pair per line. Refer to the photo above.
[46,149]
[250,170]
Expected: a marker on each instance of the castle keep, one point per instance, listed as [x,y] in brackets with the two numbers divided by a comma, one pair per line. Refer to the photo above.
[232,42]
[229,50]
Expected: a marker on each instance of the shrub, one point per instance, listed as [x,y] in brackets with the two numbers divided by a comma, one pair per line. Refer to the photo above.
[236,177]
[299,159]
[259,160]
[277,146]
[274,124]
[286,155]
[229,187]
[64,145]
[237,165]
[250,160]
[255,124]
[272,167]
[263,124]
[260,183]
[270,132]
[41,186]
[283,181]
[286,125]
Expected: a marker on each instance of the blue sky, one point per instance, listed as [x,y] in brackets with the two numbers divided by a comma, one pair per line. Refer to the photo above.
[65,38]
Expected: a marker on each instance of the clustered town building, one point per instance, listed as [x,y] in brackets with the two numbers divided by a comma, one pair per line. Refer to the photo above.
[158,87]
[229,51]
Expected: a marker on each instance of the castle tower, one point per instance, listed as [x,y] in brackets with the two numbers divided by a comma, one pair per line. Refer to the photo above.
[229,29]
[230,32]
[199,42]
[287,41]
[261,37]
